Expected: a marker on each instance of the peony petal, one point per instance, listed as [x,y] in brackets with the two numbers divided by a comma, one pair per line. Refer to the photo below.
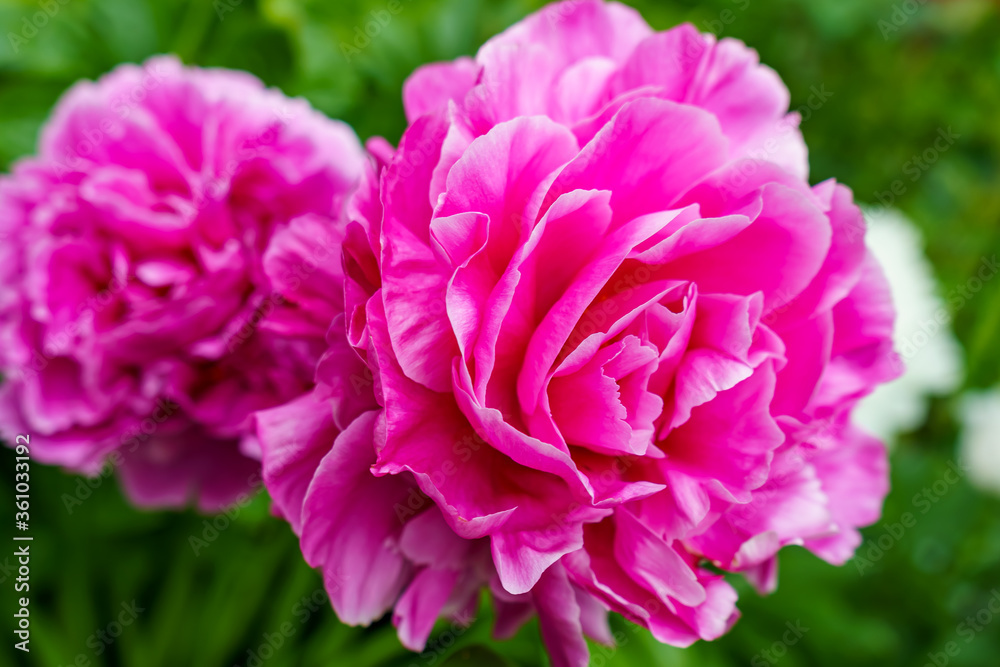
[559,619]
[290,460]
[351,527]
[650,154]
[431,86]
[420,605]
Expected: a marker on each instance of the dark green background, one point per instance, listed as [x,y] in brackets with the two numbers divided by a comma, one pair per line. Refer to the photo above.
[893,90]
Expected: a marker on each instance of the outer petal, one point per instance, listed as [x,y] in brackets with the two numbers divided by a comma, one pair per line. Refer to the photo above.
[854,475]
[576,30]
[559,618]
[294,439]
[420,604]
[176,469]
[413,277]
[431,86]
[351,529]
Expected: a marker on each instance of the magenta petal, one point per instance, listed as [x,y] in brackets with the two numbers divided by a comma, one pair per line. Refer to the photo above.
[808,349]
[568,322]
[304,263]
[512,611]
[597,570]
[654,563]
[592,406]
[425,433]
[413,278]
[290,460]
[779,254]
[683,47]
[431,86]
[594,618]
[427,540]
[420,604]
[576,30]
[559,619]
[350,527]
[726,78]
[746,97]
[789,509]
[499,173]
[854,475]
[843,266]
[862,354]
[180,468]
[521,558]
[731,457]
[650,154]
[578,91]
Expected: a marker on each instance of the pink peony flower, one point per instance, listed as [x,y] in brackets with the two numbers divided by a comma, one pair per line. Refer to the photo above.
[164,263]
[604,335]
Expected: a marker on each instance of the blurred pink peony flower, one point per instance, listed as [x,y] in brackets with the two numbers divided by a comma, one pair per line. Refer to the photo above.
[604,334]
[150,299]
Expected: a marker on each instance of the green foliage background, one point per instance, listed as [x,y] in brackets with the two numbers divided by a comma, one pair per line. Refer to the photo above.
[894,87]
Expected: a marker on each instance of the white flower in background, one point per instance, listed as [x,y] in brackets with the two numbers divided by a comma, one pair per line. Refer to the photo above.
[980,440]
[923,334]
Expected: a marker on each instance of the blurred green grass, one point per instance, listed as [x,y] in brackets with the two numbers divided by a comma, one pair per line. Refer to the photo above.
[892,91]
